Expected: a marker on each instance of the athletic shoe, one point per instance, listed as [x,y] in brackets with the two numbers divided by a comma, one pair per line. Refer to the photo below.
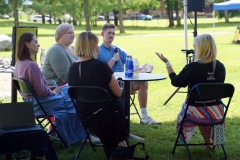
[149,120]
[93,139]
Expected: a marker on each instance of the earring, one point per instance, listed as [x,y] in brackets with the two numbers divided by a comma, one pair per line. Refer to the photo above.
[60,40]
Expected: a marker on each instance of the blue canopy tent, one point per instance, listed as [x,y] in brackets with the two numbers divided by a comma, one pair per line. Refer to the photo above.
[228,5]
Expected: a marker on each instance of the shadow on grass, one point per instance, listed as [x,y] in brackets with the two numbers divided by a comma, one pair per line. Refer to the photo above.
[160,139]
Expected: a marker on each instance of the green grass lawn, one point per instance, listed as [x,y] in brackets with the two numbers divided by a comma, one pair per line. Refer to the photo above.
[141,40]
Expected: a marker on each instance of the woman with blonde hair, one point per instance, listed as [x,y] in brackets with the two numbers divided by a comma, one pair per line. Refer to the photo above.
[60,56]
[204,69]
[89,71]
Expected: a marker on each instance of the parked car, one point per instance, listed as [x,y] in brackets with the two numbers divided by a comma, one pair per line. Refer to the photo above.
[38,18]
[175,16]
[147,17]
[5,16]
[100,18]
[137,16]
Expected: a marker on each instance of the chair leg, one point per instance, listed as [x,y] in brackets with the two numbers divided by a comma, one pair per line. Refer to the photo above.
[225,154]
[81,147]
[92,145]
[133,104]
[84,142]
[188,152]
[185,144]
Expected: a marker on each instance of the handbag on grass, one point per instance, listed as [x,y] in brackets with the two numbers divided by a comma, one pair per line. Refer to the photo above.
[127,153]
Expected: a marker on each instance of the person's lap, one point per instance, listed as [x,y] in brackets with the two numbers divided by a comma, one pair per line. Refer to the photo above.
[189,127]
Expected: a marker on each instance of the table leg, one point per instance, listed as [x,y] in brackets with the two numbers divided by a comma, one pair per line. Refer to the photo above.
[127,110]
[127,102]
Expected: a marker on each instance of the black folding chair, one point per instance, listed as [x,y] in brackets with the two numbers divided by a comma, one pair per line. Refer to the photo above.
[44,120]
[91,97]
[205,91]
[132,103]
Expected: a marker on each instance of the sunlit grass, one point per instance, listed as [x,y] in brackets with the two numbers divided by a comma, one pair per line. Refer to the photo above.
[142,41]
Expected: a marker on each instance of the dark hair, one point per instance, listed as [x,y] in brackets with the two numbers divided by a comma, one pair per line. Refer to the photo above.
[107,25]
[22,50]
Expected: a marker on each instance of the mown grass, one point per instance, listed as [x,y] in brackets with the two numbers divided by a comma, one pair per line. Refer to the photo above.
[142,40]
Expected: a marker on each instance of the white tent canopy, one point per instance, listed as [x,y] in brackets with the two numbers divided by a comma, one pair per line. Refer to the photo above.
[228,5]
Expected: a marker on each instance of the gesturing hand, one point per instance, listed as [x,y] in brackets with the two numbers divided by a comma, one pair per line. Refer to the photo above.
[164,59]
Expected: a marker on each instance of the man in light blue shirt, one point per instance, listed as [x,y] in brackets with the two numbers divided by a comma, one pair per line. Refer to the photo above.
[116,60]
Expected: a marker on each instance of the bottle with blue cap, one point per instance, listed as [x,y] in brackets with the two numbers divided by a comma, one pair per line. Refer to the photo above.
[129,67]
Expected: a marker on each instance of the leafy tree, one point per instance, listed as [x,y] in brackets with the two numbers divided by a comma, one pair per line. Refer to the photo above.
[4,7]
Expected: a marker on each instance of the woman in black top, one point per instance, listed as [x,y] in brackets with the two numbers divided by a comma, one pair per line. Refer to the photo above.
[89,71]
[204,69]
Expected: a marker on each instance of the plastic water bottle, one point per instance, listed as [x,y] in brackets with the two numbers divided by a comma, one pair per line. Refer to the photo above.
[42,57]
[129,67]
[136,68]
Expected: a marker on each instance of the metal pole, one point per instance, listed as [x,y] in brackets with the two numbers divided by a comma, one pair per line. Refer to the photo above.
[185,24]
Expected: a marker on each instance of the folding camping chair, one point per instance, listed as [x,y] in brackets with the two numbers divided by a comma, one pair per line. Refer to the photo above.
[90,98]
[132,103]
[44,120]
[205,91]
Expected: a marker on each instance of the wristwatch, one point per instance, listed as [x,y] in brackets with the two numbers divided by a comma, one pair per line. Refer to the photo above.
[114,59]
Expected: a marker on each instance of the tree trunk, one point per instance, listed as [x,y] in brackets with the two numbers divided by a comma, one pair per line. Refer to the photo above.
[170,17]
[107,17]
[86,14]
[177,13]
[120,16]
[15,13]
[226,14]
[43,18]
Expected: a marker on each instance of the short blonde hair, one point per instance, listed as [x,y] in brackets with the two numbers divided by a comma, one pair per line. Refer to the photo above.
[86,45]
[62,29]
[205,48]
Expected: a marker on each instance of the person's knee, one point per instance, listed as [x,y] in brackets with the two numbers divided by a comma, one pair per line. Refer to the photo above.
[143,86]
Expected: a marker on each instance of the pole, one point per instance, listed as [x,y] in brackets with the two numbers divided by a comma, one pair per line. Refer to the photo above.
[185,11]
[185,24]
[195,25]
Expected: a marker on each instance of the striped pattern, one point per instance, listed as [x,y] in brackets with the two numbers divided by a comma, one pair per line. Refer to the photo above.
[215,111]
